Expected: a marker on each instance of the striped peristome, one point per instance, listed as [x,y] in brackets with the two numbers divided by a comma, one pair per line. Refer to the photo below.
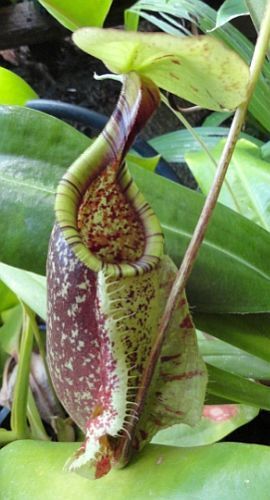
[108,282]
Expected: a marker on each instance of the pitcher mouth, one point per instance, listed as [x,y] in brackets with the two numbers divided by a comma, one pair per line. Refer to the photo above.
[101,213]
[125,246]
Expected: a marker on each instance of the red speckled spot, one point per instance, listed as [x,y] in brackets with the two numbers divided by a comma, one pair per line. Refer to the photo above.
[186,323]
[103,467]
[80,356]
[220,413]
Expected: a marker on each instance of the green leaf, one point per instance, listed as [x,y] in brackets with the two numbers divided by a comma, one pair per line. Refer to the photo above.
[220,471]
[216,118]
[227,264]
[230,358]
[11,330]
[28,186]
[134,160]
[73,15]
[7,298]
[131,21]
[29,287]
[256,10]
[265,151]
[200,69]
[173,146]
[13,89]
[234,388]
[217,422]
[250,332]
[204,17]
[37,158]
[230,9]
[247,185]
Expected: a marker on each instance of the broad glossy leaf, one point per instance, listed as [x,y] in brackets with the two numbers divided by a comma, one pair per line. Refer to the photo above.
[234,388]
[230,9]
[201,69]
[217,422]
[210,288]
[250,332]
[173,146]
[28,186]
[73,15]
[220,471]
[29,287]
[247,185]
[245,283]
[227,357]
[13,89]
[204,17]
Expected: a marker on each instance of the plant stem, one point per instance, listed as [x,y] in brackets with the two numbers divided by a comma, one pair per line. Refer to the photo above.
[19,406]
[37,428]
[200,230]
[196,136]
[42,353]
